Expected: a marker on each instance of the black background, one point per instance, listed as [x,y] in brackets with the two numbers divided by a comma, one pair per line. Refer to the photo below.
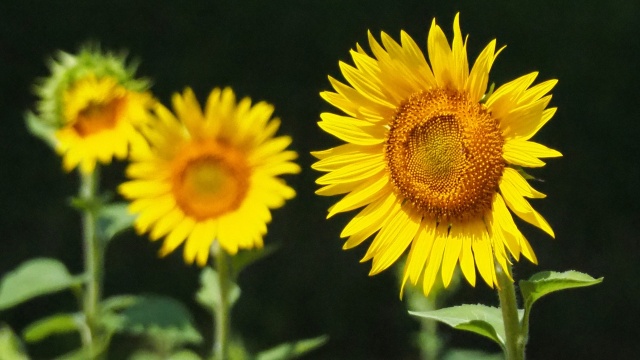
[282,52]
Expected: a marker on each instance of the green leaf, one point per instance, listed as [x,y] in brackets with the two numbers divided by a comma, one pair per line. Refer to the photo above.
[118,302]
[480,319]
[161,319]
[180,355]
[112,219]
[34,278]
[208,295]
[99,346]
[184,355]
[51,325]
[10,345]
[292,350]
[245,258]
[463,354]
[547,282]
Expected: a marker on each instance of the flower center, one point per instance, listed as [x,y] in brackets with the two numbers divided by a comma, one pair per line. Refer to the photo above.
[209,179]
[98,116]
[444,154]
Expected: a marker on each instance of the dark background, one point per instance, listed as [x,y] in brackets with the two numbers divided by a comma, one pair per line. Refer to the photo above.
[282,52]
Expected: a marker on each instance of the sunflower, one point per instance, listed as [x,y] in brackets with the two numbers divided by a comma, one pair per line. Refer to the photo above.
[90,108]
[436,163]
[101,122]
[209,175]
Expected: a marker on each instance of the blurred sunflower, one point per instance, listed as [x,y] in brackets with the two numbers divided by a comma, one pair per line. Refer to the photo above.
[91,106]
[209,176]
[435,162]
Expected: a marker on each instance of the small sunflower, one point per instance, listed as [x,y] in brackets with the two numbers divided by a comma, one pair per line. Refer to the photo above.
[91,106]
[209,176]
[436,163]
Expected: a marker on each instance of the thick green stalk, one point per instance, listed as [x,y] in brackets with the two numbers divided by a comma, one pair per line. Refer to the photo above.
[514,349]
[92,257]
[222,313]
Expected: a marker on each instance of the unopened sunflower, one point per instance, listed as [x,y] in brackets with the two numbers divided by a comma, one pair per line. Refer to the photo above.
[90,108]
[434,159]
[210,176]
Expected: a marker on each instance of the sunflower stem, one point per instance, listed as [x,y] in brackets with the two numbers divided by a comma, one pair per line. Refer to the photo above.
[92,258]
[222,316]
[515,341]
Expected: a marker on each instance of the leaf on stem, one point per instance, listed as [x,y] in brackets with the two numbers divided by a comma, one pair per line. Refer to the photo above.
[112,219]
[480,319]
[209,295]
[464,354]
[10,345]
[245,258]
[292,350]
[34,278]
[51,325]
[547,282]
[161,319]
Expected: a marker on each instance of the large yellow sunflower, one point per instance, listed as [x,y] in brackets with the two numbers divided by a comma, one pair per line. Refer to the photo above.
[210,176]
[435,163]
[100,122]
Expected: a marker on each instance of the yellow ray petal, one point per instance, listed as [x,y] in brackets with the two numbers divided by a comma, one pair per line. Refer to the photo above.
[420,249]
[364,194]
[513,177]
[177,236]
[452,251]
[397,242]
[371,215]
[522,208]
[467,263]
[353,172]
[482,251]
[435,258]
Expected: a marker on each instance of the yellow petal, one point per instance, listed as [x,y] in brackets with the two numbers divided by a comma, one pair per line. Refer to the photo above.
[522,208]
[451,256]
[515,180]
[397,240]
[420,249]
[177,236]
[371,215]
[352,130]
[435,258]
[364,194]
[467,263]
[482,251]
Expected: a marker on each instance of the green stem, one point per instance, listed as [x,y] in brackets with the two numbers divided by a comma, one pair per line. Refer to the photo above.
[514,349]
[222,318]
[92,257]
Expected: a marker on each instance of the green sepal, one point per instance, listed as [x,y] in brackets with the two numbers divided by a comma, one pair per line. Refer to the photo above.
[480,319]
[36,277]
[546,282]
[51,325]
[488,93]
[10,346]
[40,129]
[209,293]
[525,174]
[292,350]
